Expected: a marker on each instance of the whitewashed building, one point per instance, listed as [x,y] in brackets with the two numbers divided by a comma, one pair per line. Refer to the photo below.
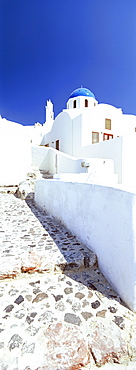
[83,133]
[85,122]
[86,137]
[100,213]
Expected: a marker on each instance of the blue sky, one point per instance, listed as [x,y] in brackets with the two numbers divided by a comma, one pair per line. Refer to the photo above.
[48,48]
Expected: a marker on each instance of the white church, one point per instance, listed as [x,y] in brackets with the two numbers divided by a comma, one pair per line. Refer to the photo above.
[85,122]
[89,131]
[90,149]
[86,137]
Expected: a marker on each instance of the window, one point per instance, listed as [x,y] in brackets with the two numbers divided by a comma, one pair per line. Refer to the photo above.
[135,129]
[74,104]
[57,144]
[95,137]
[107,124]
[107,137]
[86,103]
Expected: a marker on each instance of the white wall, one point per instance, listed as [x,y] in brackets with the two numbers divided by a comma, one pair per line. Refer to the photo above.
[61,162]
[62,131]
[35,133]
[121,151]
[104,219]
[110,149]
[54,161]
[40,158]
[129,159]
[100,171]
[73,128]
[15,153]
[83,122]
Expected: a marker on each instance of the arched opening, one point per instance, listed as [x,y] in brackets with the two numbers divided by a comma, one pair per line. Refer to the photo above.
[86,103]
[74,104]
[57,144]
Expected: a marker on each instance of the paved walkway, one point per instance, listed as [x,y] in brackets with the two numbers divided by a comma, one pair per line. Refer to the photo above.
[58,312]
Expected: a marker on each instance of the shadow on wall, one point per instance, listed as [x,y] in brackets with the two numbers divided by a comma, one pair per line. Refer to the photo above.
[72,257]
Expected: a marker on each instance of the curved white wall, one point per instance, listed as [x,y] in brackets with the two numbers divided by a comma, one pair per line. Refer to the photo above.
[62,131]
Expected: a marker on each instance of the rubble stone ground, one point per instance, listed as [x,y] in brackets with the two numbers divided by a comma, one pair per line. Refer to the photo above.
[58,312]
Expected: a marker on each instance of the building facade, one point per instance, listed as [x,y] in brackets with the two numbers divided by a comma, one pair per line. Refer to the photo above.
[85,122]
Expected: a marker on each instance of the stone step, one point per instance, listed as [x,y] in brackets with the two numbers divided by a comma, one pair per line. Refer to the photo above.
[35,174]
[46,174]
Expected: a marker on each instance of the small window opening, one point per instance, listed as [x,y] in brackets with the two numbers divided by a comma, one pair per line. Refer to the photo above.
[95,137]
[135,129]
[86,103]
[108,124]
[74,104]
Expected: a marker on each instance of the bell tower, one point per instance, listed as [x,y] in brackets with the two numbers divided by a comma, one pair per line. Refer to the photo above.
[49,112]
[81,98]
[49,115]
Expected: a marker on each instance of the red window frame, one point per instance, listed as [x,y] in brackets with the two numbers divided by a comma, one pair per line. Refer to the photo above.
[107,136]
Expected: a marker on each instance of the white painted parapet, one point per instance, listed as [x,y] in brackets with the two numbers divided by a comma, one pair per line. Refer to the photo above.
[104,219]
[98,171]
[52,160]
[69,168]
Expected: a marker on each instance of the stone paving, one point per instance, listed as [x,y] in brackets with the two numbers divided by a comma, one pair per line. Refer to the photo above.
[58,312]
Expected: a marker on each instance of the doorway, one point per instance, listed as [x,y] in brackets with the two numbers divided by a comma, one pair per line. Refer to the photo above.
[57,144]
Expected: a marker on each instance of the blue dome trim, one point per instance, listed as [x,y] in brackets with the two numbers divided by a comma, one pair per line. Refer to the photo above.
[82,91]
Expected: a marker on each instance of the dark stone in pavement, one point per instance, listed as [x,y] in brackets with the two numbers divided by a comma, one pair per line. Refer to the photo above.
[9,308]
[19,300]
[30,317]
[86,315]
[79,295]
[71,318]
[95,304]
[119,321]
[40,297]
[57,297]
[112,309]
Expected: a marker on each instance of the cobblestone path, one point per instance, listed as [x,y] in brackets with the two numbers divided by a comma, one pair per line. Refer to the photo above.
[58,312]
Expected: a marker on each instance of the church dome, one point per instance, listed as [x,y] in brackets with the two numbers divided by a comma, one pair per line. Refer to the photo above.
[82,91]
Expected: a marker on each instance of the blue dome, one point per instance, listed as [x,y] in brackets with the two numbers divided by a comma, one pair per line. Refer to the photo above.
[82,91]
